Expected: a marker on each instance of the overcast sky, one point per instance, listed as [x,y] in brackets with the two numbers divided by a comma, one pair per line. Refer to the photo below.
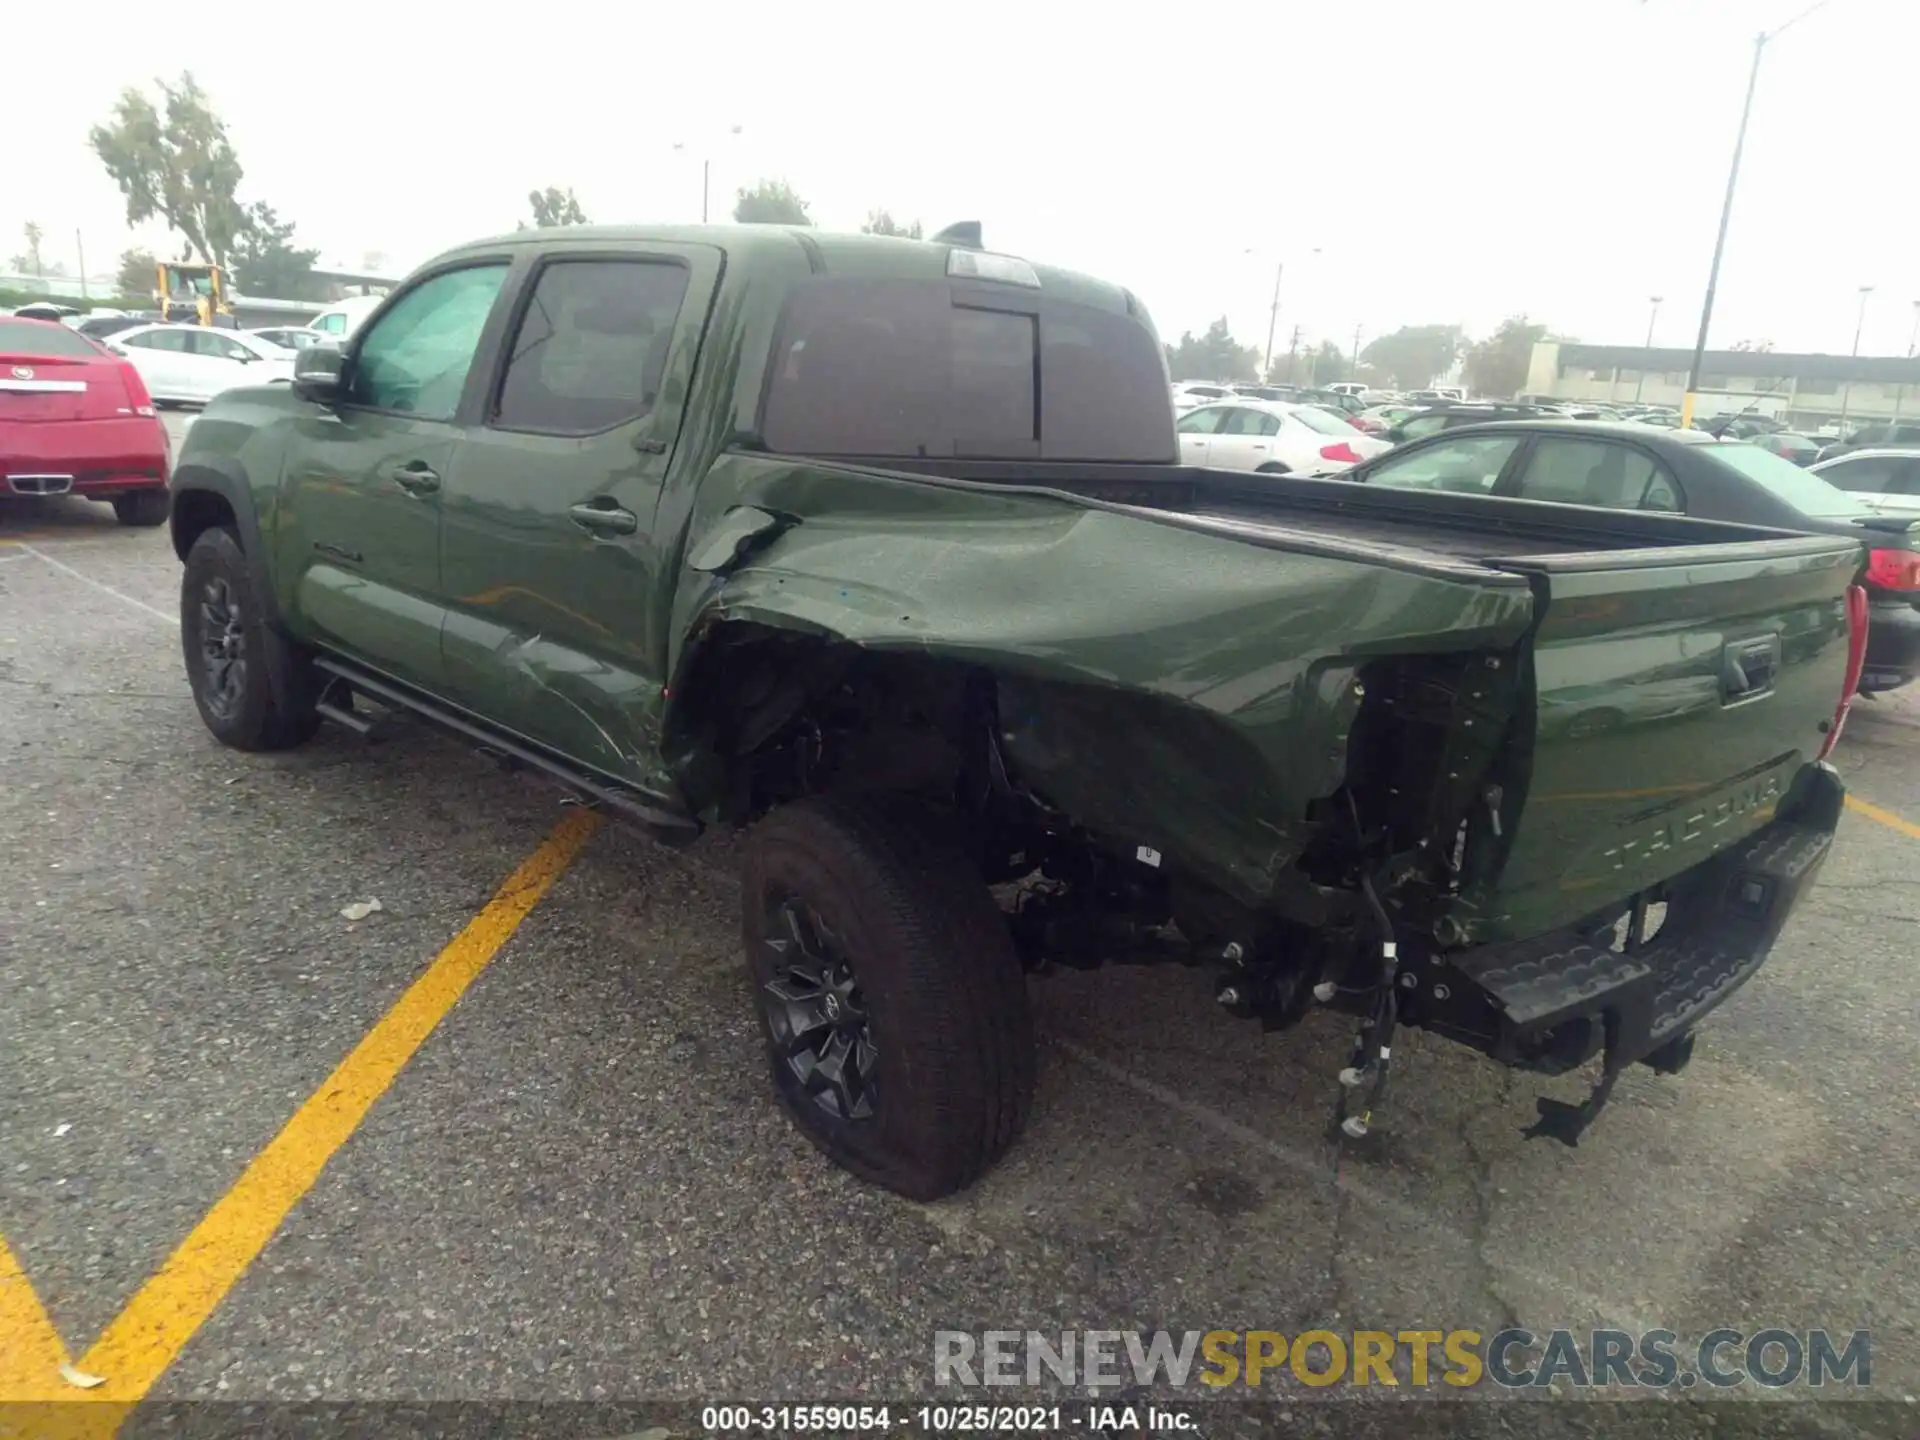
[1449,160]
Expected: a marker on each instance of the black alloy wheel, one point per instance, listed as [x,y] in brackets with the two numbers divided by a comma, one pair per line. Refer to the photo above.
[817,1013]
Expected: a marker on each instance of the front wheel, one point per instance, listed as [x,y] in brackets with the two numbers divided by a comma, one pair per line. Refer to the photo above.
[144,508]
[893,1005]
[254,690]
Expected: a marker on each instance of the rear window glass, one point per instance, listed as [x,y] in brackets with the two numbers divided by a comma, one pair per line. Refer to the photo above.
[1321,421]
[1786,481]
[886,367]
[40,337]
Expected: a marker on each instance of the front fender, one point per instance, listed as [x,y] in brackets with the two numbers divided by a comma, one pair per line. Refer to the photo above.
[231,461]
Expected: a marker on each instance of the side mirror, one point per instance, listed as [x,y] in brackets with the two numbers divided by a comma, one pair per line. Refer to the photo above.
[319,373]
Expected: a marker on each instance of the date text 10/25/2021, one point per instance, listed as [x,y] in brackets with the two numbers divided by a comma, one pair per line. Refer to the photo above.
[1088,1416]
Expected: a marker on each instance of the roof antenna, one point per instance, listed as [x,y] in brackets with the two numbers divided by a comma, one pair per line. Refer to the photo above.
[963,233]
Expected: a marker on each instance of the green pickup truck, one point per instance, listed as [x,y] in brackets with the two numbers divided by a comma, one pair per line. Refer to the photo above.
[879,547]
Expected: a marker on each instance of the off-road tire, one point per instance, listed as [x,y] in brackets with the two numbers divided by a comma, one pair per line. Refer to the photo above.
[943,988]
[144,508]
[272,707]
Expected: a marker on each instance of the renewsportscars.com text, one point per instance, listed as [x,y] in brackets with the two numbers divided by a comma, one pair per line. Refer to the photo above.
[1513,1358]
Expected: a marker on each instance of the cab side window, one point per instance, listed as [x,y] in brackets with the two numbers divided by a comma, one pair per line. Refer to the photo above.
[1469,465]
[415,359]
[591,350]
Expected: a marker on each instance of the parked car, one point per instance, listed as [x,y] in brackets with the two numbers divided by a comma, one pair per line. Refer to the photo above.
[1887,480]
[75,420]
[190,364]
[1272,438]
[1789,445]
[1379,419]
[1189,393]
[1683,472]
[340,320]
[1432,419]
[1875,437]
[46,310]
[288,337]
[99,327]
[880,548]
[1351,387]
[1329,398]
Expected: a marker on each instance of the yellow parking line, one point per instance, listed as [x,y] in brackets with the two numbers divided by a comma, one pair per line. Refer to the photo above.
[30,1350]
[144,1339]
[1885,817]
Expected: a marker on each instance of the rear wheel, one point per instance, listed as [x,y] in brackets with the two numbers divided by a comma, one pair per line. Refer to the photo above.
[253,687]
[1273,467]
[893,1005]
[145,508]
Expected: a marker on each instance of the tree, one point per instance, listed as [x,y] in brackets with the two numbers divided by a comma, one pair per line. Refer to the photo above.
[266,262]
[1413,355]
[29,261]
[771,202]
[553,207]
[137,274]
[1326,362]
[881,222]
[1498,365]
[1216,355]
[173,159]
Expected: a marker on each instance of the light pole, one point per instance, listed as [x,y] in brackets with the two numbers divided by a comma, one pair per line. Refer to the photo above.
[1726,210]
[1846,390]
[1913,340]
[706,171]
[1353,369]
[1648,348]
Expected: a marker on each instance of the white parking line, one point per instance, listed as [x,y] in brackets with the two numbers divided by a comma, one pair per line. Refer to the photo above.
[108,589]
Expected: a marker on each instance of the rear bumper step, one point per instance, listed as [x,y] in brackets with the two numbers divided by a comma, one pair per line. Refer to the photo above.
[1552,1003]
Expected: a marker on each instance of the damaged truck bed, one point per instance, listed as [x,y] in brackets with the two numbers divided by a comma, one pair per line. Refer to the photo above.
[879,552]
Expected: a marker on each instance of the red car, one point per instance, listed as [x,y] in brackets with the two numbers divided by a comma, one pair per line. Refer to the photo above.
[75,419]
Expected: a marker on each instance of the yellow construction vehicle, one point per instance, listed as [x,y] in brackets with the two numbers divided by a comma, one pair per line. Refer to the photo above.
[194,294]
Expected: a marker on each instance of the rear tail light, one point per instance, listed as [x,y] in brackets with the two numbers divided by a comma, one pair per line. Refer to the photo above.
[1893,569]
[136,389]
[1856,661]
[1364,425]
[1342,452]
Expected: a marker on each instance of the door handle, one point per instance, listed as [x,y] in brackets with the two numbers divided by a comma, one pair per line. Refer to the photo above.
[607,519]
[415,478]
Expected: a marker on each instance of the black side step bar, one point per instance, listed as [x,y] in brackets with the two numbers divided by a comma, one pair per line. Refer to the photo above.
[669,825]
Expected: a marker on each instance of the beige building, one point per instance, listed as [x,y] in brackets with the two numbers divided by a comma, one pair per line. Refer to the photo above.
[1809,391]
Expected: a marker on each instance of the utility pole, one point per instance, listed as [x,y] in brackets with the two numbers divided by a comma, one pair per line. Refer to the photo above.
[1846,390]
[1273,319]
[706,172]
[1726,211]
[80,245]
[1353,370]
[1647,349]
[1293,348]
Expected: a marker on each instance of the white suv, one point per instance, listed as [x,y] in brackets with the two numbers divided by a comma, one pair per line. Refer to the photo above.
[337,322]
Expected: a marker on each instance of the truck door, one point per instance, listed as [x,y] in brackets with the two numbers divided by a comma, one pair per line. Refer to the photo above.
[549,555]
[360,500]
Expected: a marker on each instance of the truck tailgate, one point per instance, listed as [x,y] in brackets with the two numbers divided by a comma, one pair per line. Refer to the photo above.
[1676,693]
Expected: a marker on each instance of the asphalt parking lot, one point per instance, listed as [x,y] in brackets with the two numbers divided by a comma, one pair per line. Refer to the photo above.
[578,1187]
